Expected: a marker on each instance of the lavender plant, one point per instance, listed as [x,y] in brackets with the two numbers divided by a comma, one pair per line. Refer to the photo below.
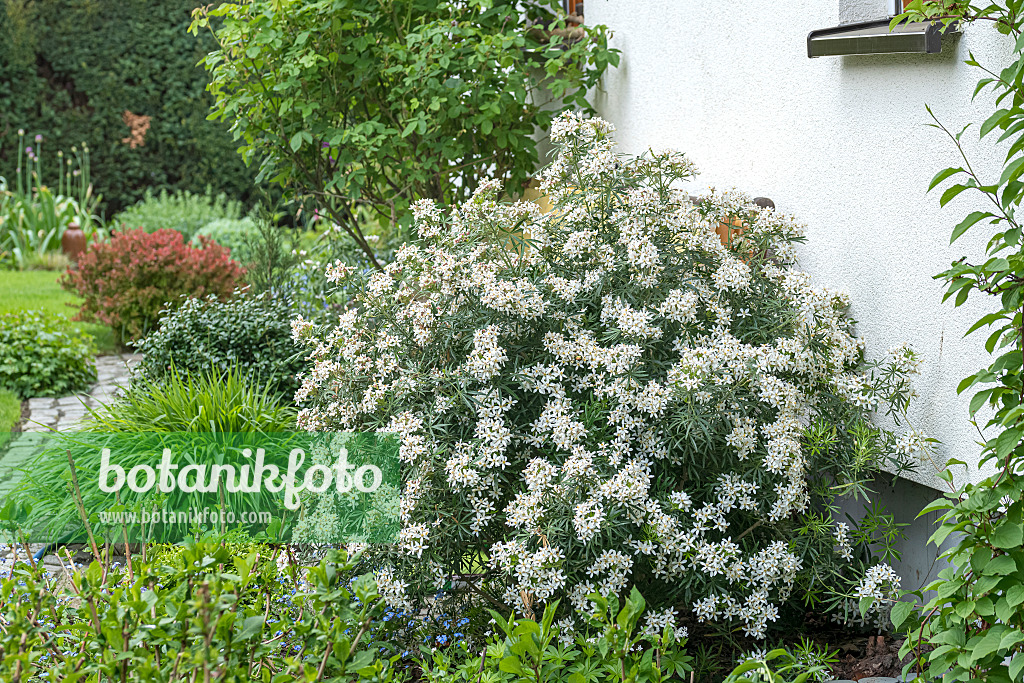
[608,395]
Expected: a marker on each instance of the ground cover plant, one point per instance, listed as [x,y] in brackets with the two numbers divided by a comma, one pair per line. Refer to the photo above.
[40,357]
[972,627]
[242,611]
[355,107]
[128,281]
[607,396]
[249,333]
[228,618]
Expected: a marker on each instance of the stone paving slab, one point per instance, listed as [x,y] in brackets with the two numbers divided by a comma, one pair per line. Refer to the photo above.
[63,413]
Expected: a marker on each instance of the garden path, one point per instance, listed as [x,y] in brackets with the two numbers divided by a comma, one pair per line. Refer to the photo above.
[58,414]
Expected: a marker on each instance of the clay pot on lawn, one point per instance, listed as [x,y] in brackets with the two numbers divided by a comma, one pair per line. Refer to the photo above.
[73,242]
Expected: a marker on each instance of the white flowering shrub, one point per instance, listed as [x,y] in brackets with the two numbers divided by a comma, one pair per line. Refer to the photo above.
[606,395]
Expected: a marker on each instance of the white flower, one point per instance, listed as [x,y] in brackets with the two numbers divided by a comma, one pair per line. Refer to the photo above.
[587,519]
[487,357]
[842,540]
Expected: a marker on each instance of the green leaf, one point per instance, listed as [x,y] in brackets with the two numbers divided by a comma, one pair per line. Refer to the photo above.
[1016,666]
[1008,536]
[966,223]
[746,666]
[296,142]
[993,121]
[942,175]
[988,645]
[950,193]
[964,609]
[511,665]
[250,627]
[978,400]
[1001,565]
[899,613]
[1006,442]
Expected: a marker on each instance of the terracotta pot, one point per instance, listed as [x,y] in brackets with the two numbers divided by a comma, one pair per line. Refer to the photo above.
[73,242]
[727,233]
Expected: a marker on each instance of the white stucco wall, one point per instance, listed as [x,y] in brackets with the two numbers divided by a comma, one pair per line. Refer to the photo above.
[840,142]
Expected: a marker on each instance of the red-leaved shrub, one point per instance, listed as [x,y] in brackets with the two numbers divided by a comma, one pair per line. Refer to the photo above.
[127,281]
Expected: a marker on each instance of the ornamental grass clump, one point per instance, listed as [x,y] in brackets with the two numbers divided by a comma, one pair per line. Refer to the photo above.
[607,396]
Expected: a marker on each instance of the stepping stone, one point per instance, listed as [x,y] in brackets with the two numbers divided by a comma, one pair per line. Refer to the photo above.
[39,403]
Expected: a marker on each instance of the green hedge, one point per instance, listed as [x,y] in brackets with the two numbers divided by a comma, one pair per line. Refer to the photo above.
[70,68]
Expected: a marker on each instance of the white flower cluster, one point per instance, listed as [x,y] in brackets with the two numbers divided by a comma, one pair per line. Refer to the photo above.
[842,540]
[880,582]
[613,397]
[913,443]
[655,622]
[487,357]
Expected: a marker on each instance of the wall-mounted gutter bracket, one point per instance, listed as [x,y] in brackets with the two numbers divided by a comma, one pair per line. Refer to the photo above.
[874,37]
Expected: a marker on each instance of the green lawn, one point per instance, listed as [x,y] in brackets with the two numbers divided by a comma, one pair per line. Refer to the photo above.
[38,290]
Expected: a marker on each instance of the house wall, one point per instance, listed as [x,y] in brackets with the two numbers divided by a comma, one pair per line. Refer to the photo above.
[841,142]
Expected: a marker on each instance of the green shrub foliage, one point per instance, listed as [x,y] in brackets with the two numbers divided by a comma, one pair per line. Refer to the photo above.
[70,71]
[40,356]
[236,618]
[185,212]
[358,106]
[214,609]
[250,333]
[235,234]
[971,628]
